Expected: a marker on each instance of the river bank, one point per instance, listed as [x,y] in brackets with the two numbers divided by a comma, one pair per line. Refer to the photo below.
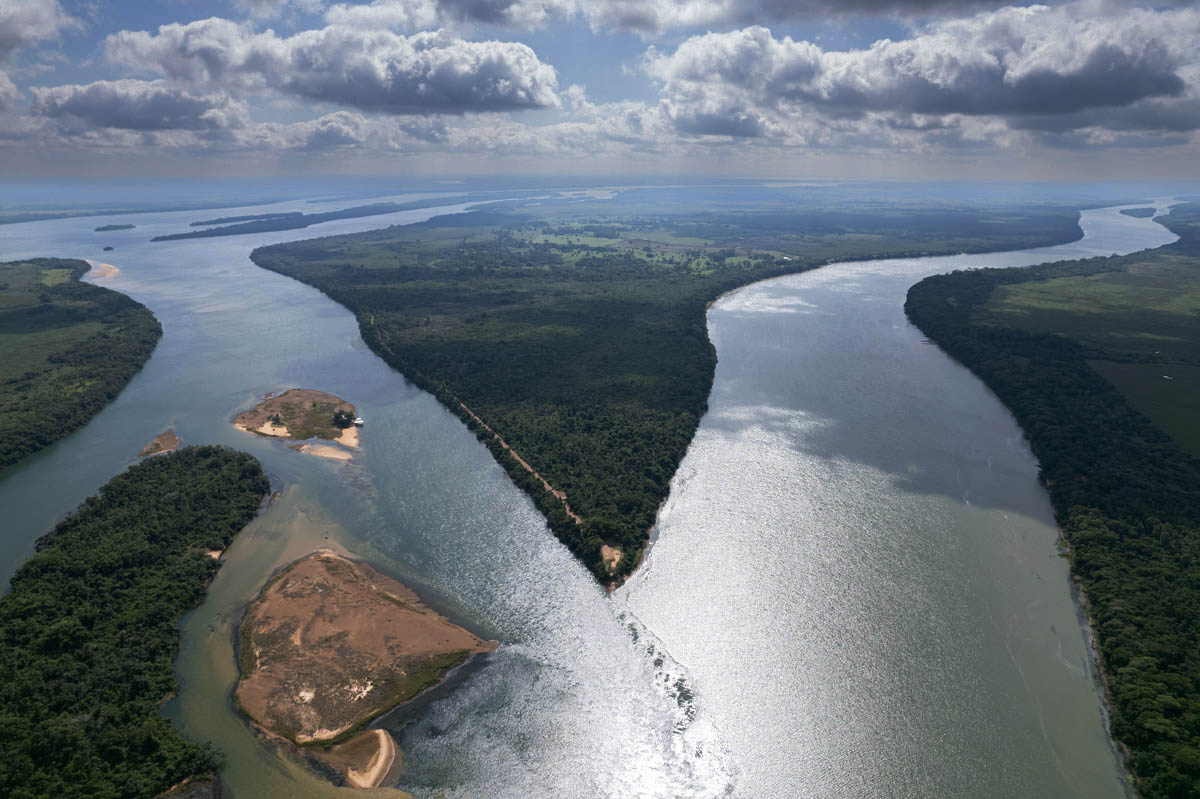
[892,604]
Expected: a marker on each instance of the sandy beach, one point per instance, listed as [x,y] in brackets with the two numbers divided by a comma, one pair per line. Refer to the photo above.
[326,451]
[379,765]
[100,270]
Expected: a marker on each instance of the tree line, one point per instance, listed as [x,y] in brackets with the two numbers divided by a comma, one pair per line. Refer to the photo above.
[89,631]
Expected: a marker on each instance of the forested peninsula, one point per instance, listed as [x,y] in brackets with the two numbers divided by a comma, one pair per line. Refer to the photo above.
[69,348]
[1095,358]
[575,345]
[89,631]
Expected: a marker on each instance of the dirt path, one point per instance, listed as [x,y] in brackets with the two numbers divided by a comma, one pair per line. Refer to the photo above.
[560,495]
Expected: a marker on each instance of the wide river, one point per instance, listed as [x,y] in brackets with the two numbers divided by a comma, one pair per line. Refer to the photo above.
[854,589]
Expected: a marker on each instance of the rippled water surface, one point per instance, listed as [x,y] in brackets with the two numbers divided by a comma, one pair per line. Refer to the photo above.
[854,589]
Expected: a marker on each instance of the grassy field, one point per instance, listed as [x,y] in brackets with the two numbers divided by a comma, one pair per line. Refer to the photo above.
[1139,320]
[1169,394]
[69,348]
[575,344]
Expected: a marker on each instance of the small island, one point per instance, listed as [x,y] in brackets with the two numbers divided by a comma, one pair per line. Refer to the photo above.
[1140,213]
[167,441]
[107,228]
[331,644]
[301,414]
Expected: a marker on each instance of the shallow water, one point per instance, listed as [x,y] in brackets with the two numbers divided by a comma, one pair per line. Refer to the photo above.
[856,564]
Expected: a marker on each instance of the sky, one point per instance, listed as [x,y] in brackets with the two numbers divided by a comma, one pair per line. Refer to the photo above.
[817,89]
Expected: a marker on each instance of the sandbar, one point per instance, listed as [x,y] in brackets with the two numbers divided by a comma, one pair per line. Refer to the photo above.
[102,270]
[326,451]
[331,644]
[167,441]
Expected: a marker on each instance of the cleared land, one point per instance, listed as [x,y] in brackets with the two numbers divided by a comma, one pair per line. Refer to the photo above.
[1076,350]
[331,644]
[576,346]
[1138,320]
[69,348]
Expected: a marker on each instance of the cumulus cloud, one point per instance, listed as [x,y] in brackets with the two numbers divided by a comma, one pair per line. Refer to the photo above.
[139,106]
[24,23]
[266,9]
[1020,64]
[646,17]
[376,71]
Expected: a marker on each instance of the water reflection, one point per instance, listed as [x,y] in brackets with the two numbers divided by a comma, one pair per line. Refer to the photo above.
[857,563]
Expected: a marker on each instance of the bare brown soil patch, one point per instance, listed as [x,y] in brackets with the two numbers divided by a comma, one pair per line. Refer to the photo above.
[611,556]
[299,413]
[163,442]
[331,644]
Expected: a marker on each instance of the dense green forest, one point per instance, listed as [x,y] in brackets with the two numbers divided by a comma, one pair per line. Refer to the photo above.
[89,631]
[1125,494]
[69,348]
[583,342]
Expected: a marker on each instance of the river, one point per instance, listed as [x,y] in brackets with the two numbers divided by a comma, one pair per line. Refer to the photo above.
[854,588]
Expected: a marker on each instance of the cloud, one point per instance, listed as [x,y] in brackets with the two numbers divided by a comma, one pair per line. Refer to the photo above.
[376,71]
[645,17]
[1024,65]
[268,9]
[138,105]
[24,23]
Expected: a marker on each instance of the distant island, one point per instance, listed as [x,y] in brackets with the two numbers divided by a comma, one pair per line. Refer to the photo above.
[1140,213]
[107,228]
[1099,361]
[228,220]
[69,348]
[268,223]
[300,414]
[575,343]
[331,644]
[90,629]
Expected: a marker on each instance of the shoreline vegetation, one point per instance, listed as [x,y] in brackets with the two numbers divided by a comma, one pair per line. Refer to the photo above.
[70,347]
[332,644]
[90,629]
[1085,354]
[300,414]
[575,344]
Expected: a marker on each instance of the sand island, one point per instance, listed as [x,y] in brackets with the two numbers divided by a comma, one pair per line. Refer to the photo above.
[331,644]
[167,441]
[300,414]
